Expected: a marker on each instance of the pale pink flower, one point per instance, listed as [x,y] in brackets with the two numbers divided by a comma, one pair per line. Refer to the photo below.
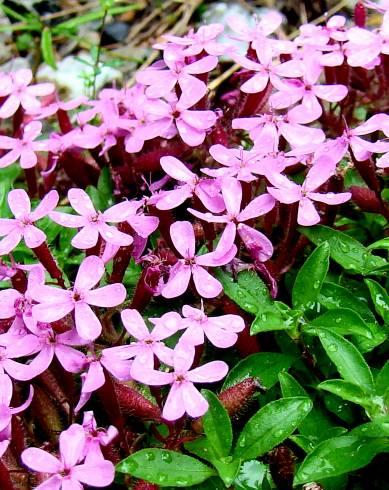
[183,238]
[206,190]
[204,39]
[183,396]
[320,36]
[67,472]
[161,81]
[95,437]
[55,303]
[260,205]
[308,92]
[266,70]
[23,225]
[288,192]
[148,344]
[16,87]
[94,223]
[221,331]
[24,148]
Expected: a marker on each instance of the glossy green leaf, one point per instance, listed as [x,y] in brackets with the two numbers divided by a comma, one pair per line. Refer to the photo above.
[382,380]
[165,468]
[290,387]
[334,296]
[380,298]
[310,277]
[338,456]
[346,251]
[105,188]
[47,48]
[347,391]
[348,360]
[377,428]
[271,425]
[264,366]
[380,244]
[217,425]
[249,291]
[278,316]
[251,476]
[343,321]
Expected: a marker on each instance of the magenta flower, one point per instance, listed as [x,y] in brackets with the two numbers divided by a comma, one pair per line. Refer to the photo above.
[183,238]
[148,343]
[183,396]
[288,192]
[221,331]
[24,148]
[93,223]
[55,303]
[204,189]
[160,81]
[260,205]
[16,87]
[22,226]
[67,472]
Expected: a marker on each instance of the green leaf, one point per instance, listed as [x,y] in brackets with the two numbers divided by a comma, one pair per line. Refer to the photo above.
[264,366]
[334,296]
[276,317]
[290,387]
[380,244]
[251,476]
[217,425]
[338,456]
[105,188]
[346,251]
[310,277]
[343,321]
[348,360]
[377,428]
[165,468]
[271,425]
[47,48]
[380,298]
[347,391]
[249,291]
[382,380]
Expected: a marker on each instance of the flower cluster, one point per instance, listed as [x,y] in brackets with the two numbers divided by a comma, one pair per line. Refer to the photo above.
[198,183]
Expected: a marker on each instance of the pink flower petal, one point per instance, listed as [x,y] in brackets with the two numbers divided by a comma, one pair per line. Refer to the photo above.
[87,237]
[51,312]
[257,207]
[68,220]
[7,302]
[178,282]
[208,373]
[81,202]
[232,195]
[307,214]
[190,135]
[330,197]
[174,407]
[207,286]
[19,203]
[71,445]
[195,404]
[48,203]
[256,84]
[176,169]
[94,379]
[98,475]
[71,359]
[90,272]
[134,323]
[33,236]
[113,236]
[8,243]
[28,159]
[39,460]
[258,245]
[183,238]
[107,296]
[87,324]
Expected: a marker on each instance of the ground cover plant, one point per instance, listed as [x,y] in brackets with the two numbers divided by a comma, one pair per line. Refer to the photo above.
[194,268]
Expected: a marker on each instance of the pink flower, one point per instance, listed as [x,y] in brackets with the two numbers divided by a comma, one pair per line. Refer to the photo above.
[6,411]
[148,343]
[202,40]
[288,192]
[183,396]
[183,238]
[295,90]
[204,189]
[160,82]
[67,471]
[221,331]
[93,223]
[55,303]
[15,86]
[24,148]
[267,71]
[232,194]
[22,226]
[95,437]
